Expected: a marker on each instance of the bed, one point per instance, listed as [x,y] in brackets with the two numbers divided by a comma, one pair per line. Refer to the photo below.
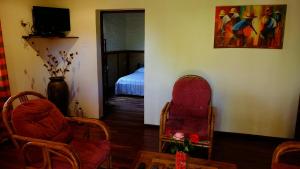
[132,84]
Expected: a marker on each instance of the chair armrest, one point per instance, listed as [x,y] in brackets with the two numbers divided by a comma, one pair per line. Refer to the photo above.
[95,122]
[60,149]
[30,139]
[163,117]
[283,148]
[165,110]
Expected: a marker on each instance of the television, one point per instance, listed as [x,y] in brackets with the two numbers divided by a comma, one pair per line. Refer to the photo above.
[48,21]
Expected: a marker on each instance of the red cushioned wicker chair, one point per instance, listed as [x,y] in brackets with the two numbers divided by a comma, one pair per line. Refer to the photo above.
[50,140]
[284,148]
[189,112]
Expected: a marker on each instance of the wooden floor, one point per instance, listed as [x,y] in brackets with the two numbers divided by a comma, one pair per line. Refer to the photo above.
[129,135]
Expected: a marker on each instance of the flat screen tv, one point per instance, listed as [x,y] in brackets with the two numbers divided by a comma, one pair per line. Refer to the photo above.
[48,21]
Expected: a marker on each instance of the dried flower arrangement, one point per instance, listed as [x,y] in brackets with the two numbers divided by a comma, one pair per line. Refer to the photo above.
[78,110]
[58,66]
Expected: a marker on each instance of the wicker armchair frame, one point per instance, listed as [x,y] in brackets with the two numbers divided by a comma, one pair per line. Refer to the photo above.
[61,149]
[283,148]
[164,116]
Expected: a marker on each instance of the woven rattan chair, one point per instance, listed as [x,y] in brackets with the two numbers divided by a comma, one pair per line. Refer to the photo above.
[49,140]
[284,148]
[189,112]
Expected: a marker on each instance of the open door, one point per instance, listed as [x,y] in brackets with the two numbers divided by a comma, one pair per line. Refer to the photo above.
[122,48]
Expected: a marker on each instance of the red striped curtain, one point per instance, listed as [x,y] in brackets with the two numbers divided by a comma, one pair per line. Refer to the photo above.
[4,84]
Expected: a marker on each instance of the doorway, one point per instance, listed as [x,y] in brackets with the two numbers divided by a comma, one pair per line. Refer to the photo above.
[122,60]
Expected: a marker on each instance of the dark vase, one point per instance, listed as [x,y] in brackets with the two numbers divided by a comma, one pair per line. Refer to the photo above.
[58,93]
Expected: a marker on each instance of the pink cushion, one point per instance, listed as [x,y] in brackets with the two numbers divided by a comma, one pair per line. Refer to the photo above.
[284,166]
[191,97]
[41,119]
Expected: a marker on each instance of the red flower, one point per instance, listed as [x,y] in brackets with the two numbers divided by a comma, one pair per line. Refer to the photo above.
[194,138]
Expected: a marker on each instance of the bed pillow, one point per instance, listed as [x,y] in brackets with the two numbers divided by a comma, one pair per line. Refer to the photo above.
[140,70]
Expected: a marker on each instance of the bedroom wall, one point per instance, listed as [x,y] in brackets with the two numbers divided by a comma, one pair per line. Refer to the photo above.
[115,31]
[135,31]
[255,91]
[136,59]
[124,31]
[117,66]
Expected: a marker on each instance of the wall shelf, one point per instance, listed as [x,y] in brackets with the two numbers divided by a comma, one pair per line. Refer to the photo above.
[45,43]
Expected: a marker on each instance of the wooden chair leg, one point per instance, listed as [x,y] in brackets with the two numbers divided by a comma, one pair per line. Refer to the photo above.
[159,146]
[109,162]
[209,152]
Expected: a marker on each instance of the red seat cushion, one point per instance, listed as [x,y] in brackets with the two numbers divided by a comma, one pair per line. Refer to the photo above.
[284,166]
[90,153]
[41,119]
[188,126]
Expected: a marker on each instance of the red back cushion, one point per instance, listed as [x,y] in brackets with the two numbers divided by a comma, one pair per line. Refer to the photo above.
[191,97]
[41,119]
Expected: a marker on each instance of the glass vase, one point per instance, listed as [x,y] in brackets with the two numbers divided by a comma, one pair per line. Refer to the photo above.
[181,160]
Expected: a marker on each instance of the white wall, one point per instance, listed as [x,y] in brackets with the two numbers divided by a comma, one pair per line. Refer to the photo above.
[255,91]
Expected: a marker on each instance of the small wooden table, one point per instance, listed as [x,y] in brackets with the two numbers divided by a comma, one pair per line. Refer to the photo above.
[167,161]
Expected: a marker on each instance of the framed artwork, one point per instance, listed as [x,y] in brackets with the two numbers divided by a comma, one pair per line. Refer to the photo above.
[249,26]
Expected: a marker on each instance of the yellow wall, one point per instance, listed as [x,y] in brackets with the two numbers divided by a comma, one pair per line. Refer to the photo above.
[24,67]
[255,91]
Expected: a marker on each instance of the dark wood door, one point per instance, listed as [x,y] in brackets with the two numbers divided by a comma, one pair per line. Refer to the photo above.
[104,73]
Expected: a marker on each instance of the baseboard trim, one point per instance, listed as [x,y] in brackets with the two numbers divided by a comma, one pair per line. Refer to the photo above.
[239,135]
[250,136]
[151,126]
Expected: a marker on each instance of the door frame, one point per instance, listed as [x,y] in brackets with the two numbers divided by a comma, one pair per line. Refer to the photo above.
[104,68]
